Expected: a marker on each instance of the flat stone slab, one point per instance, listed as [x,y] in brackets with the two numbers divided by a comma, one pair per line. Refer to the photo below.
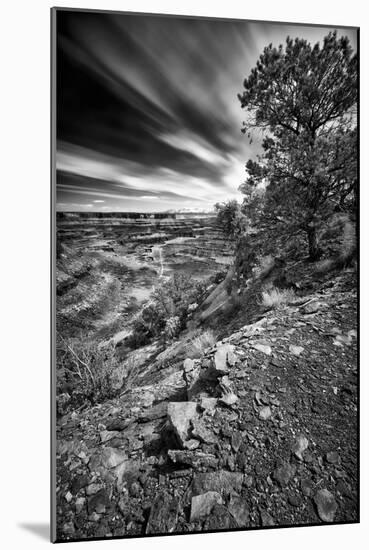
[202,505]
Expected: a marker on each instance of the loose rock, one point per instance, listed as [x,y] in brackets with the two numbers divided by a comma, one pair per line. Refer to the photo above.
[283,474]
[326,505]
[263,348]
[299,446]
[265,413]
[296,350]
[333,457]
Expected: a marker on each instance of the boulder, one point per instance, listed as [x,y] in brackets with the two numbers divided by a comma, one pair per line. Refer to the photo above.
[224,358]
[180,415]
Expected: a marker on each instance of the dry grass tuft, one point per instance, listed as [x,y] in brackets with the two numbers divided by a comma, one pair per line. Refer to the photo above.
[198,345]
[274,297]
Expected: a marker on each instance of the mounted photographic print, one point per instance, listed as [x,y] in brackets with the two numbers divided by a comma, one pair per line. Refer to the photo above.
[204,274]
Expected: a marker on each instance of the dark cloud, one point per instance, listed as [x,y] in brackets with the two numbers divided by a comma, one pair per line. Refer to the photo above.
[69,182]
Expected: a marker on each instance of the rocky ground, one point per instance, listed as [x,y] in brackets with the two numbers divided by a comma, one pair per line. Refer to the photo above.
[261,431]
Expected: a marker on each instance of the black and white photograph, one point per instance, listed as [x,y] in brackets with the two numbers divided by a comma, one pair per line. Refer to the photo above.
[205,261]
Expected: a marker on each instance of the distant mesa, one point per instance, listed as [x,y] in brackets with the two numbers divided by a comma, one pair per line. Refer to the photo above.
[173,214]
[194,210]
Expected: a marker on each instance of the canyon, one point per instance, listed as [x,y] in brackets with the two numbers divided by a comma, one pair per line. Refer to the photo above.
[108,264]
[247,430]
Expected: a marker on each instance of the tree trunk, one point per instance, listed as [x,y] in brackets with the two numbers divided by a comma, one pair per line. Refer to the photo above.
[315,251]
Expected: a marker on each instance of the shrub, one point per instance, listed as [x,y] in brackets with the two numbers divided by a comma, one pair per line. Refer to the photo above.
[231,219]
[274,297]
[85,371]
[172,327]
[167,311]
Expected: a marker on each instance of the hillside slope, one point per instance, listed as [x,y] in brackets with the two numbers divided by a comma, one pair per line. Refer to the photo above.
[260,431]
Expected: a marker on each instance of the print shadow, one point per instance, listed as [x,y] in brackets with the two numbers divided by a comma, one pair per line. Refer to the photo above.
[42,530]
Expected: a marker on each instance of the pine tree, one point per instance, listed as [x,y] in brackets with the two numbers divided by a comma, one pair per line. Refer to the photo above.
[303,98]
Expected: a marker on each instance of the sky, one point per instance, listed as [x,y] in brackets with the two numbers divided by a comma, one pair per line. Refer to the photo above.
[148,117]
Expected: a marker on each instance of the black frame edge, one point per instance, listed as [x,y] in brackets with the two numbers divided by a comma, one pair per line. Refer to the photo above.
[53,12]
